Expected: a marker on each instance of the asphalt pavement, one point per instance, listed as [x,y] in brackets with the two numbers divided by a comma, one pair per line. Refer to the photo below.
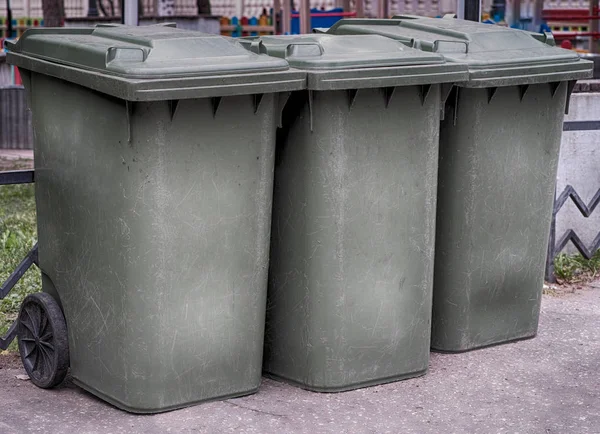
[550,384]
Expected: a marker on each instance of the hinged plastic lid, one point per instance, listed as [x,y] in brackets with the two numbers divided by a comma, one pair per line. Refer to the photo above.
[141,53]
[495,55]
[319,51]
[335,62]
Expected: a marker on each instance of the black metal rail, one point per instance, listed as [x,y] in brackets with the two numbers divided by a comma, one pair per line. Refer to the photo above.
[581,126]
[7,178]
[16,177]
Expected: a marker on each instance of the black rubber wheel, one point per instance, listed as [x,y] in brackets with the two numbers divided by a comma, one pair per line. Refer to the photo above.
[43,340]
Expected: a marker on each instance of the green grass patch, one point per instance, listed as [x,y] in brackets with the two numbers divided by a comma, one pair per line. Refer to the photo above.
[575,268]
[18,234]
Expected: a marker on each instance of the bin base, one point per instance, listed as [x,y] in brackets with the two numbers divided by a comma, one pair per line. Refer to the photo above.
[480,347]
[354,386]
[123,406]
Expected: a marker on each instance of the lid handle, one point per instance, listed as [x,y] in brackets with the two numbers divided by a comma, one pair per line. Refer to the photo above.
[442,46]
[258,47]
[166,24]
[550,39]
[546,38]
[304,49]
[405,17]
[125,54]
[10,45]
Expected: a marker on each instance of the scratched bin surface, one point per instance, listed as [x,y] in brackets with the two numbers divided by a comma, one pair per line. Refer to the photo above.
[153,199]
[499,146]
[351,271]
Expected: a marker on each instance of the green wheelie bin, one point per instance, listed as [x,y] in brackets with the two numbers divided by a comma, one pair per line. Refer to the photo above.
[154,153]
[349,301]
[499,147]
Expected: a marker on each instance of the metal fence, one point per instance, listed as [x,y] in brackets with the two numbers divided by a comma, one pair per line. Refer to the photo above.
[8,178]
[16,131]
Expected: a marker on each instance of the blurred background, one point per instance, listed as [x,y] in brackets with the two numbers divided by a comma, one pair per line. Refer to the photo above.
[572,22]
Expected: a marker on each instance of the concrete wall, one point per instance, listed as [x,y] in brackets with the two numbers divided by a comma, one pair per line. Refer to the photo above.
[579,166]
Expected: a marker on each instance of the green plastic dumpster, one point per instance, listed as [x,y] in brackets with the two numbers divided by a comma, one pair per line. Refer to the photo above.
[351,270]
[154,153]
[499,145]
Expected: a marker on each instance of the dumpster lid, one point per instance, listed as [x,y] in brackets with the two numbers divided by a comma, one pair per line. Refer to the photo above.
[355,60]
[144,53]
[495,55]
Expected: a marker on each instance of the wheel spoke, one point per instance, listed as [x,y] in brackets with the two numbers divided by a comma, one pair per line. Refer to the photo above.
[33,357]
[39,366]
[27,325]
[34,321]
[45,346]
[27,340]
[48,364]
[39,315]
[43,322]
[45,360]
[46,337]
[31,350]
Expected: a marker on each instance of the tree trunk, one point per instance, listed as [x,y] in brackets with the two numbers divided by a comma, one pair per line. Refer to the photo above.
[54,13]
[203,7]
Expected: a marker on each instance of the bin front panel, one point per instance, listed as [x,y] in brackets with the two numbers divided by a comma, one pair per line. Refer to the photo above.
[499,145]
[496,189]
[352,239]
[154,222]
